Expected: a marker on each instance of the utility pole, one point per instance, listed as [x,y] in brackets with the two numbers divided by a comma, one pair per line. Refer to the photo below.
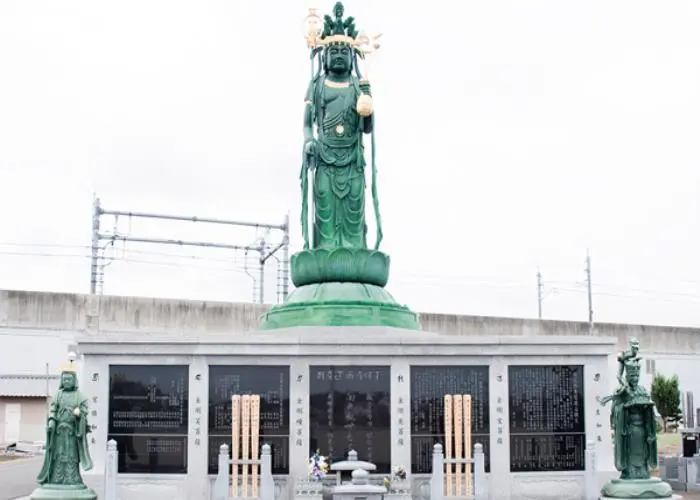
[590,289]
[539,293]
[95,246]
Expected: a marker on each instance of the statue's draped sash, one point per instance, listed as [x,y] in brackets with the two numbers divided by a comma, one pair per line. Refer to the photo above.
[339,179]
[624,448]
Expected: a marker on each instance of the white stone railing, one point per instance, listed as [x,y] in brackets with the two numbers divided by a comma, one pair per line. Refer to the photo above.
[222,485]
[308,489]
[111,470]
[682,473]
[437,480]
[590,482]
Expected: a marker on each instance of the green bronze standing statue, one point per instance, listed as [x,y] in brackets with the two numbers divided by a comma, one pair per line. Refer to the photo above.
[66,443]
[339,107]
[339,277]
[633,422]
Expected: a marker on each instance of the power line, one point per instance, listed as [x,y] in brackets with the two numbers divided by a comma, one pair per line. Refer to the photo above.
[437,281]
[239,269]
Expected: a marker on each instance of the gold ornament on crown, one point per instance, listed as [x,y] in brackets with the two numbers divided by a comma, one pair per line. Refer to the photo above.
[68,367]
[326,32]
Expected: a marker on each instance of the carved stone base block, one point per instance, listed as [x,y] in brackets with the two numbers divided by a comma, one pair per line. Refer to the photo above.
[63,492]
[637,488]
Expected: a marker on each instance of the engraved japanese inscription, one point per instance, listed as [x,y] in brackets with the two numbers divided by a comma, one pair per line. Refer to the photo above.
[148,417]
[547,427]
[271,383]
[429,384]
[350,410]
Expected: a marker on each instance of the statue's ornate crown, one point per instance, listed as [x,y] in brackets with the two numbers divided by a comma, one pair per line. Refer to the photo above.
[68,367]
[338,31]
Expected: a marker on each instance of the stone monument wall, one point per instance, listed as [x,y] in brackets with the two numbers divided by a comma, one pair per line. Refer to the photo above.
[168,404]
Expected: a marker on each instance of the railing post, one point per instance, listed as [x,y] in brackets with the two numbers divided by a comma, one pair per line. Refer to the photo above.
[591,480]
[221,486]
[437,480]
[111,468]
[267,483]
[479,472]
[692,474]
[663,471]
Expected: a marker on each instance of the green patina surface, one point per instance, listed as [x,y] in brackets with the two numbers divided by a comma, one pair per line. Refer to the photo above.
[339,278]
[633,422]
[344,265]
[340,304]
[66,445]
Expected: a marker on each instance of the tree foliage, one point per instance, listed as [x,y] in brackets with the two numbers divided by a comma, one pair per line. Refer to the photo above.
[666,394]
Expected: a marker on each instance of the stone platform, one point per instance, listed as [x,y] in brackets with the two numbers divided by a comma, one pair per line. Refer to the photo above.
[672,497]
[61,492]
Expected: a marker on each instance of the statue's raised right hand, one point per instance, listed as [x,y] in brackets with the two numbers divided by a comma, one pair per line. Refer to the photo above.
[51,424]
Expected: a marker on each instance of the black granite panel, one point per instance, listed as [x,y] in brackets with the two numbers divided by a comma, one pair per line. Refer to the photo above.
[429,385]
[271,382]
[350,410]
[139,454]
[547,418]
[148,399]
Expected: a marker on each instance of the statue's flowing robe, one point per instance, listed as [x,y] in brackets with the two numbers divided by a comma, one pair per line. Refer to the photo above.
[339,180]
[635,445]
[66,441]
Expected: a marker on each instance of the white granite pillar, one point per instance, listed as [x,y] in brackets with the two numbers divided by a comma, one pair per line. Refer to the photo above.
[94,384]
[197,442]
[300,407]
[499,452]
[401,413]
[597,383]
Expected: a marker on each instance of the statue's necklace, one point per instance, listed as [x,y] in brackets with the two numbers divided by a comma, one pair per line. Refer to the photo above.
[340,128]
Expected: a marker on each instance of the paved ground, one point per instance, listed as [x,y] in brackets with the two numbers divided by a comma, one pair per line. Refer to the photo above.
[18,477]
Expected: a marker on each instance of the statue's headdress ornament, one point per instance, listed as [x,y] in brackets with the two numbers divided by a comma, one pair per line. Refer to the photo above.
[334,30]
[69,366]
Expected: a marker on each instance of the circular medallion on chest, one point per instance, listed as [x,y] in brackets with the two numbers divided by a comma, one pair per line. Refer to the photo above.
[340,129]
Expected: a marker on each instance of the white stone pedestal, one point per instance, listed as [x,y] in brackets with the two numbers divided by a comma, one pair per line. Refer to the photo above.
[674,497]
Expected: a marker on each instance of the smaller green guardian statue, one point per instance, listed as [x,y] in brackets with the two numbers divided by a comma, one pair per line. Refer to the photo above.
[66,443]
[633,422]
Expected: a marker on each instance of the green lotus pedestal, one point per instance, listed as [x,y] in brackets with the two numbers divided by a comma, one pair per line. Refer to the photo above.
[625,489]
[63,492]
[340,287]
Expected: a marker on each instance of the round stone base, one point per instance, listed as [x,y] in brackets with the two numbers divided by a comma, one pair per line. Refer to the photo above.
[346,265]
[340,304]
[637,488]
[63,492]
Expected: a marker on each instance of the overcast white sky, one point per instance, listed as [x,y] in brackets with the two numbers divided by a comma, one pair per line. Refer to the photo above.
[511,134]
